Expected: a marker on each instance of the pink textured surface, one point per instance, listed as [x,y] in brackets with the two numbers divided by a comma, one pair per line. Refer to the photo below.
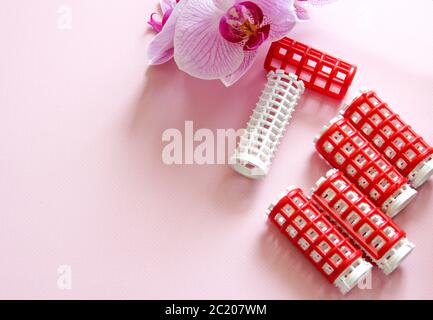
[82,181]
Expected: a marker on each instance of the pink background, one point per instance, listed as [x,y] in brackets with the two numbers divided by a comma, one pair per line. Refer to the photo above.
[82,180]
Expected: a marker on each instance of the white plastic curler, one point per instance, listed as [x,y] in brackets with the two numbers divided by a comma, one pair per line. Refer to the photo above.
[256,149]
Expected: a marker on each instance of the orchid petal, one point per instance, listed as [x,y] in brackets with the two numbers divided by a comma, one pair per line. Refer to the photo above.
[156,25]
[280,15]
[200,50]
[223,5]
[243,68]
[314,3]
[162,58]
[232,24]
[229,33]
[166,15]
[301,12]
[167,4]
[255,12]
[255,41]
[160,50]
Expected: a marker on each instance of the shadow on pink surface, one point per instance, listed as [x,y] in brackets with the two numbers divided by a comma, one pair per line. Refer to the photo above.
[291,267]
[416,211]
[207,104]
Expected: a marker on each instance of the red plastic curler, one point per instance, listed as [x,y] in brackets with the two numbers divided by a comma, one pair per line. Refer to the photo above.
[319,71]
[375,233]
[296,216]
[401,146]
[345,148]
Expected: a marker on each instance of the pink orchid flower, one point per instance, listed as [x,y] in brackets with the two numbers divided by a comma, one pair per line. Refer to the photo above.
[219,39]
[302,6]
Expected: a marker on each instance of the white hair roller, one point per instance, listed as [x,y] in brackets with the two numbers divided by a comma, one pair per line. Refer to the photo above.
[257,146]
